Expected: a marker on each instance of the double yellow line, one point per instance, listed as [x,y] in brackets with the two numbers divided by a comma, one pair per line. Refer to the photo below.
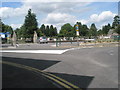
[52,77]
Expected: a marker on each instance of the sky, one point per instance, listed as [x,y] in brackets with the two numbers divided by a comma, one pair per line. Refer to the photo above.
[59,12]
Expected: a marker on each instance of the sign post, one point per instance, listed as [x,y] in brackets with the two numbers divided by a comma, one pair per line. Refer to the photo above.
[77,33]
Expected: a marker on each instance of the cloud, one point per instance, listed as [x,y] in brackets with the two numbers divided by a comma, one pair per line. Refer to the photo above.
[50,7]
[8,12]
[59,19]
[103,18]
[55,18]
[14,26]
[44,8]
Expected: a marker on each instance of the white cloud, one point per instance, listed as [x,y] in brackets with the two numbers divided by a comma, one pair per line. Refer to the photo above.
[63,7]
[59,19]
[14,26]
[43,8]
[102,17]
[55,18]
[8,12]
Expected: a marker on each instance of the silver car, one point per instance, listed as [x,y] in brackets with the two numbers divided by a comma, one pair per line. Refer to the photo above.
[42,39]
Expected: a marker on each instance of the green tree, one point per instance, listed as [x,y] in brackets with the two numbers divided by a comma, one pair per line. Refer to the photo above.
[6,28]
[17,31]
[55,31]
[42,29]
[84,30]
[118,29]
[99,32]
[51,31]
[105,29]
[67,30]
[93,31]
[30,24]
[47,30]
[116,21]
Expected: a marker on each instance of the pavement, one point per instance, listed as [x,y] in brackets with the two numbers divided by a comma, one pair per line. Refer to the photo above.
[88,67]
[61,46]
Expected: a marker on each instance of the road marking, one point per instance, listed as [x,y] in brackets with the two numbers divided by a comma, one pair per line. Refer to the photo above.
[42,51]
[35,51]
[54,78]
[39,51]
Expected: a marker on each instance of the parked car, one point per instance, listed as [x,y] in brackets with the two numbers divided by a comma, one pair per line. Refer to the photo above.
[42,39]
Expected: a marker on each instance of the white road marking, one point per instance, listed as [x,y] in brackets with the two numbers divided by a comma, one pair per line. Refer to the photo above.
[41,51]
[35,51]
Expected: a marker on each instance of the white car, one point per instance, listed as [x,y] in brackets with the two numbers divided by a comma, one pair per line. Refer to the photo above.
[42,40]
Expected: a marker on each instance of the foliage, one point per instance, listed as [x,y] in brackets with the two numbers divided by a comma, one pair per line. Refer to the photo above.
[30,24]
[105,29]
[118,29]
[93,31]
[67,30]
[116,21]
[6,28]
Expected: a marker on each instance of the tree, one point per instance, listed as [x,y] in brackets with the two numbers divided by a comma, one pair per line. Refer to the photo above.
[30,24]
[118,29]
[116,21]
[47,30]
[51,31]
[42,29]
[6,28]
[93,31]
[84,30]
[105,29]
[99,32]
[17,31]
[67,30]
[55,32]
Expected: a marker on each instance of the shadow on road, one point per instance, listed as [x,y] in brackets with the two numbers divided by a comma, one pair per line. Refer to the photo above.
[78,80]
[14,77]
[36,63]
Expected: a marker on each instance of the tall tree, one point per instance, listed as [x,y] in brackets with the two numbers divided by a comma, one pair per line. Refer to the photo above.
[55,32]
[93,31]
[51,31]
[47,30]
[42,28]
[116,21]
[30,24]
[84,30]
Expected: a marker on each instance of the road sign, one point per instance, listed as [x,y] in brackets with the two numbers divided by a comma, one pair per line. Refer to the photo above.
[77,30]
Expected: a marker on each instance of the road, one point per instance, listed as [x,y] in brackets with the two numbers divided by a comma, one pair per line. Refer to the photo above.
[95,67]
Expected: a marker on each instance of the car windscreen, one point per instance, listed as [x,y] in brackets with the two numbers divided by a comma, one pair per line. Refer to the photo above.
[44,37]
